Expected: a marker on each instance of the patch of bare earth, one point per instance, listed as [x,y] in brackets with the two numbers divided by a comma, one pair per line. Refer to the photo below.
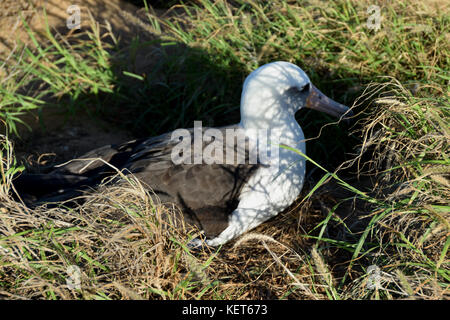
[54,136]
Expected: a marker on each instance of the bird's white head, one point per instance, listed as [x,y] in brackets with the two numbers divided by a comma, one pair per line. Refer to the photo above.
[273,93]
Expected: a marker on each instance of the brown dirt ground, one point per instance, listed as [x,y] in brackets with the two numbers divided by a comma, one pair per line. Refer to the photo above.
[54,137]
[12,27]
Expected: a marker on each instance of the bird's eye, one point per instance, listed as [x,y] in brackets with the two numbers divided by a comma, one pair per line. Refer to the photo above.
[305,88]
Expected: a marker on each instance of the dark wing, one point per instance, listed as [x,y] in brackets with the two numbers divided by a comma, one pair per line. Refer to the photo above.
[207,194]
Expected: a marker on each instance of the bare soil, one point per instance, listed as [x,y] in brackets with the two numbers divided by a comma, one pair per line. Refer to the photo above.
[55,137]
[14,13]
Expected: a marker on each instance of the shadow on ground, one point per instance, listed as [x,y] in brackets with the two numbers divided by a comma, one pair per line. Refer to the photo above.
[160,85]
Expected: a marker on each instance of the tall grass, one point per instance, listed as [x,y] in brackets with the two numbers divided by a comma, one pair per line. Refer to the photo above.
[378,228]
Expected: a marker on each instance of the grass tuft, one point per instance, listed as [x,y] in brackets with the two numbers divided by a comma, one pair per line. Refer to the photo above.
[373,219]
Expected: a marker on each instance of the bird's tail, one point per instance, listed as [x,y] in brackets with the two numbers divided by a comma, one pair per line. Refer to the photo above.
[52,187]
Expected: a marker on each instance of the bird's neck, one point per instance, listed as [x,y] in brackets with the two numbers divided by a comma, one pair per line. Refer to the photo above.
[264,110]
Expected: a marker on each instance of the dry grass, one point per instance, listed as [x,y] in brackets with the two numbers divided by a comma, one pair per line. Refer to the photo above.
[125,250]
[383,233]
[117,238]
[404,150]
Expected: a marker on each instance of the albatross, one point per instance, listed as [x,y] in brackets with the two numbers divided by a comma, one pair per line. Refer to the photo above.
[223,199]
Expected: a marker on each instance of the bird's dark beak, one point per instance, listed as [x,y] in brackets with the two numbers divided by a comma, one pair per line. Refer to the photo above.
[318,101]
